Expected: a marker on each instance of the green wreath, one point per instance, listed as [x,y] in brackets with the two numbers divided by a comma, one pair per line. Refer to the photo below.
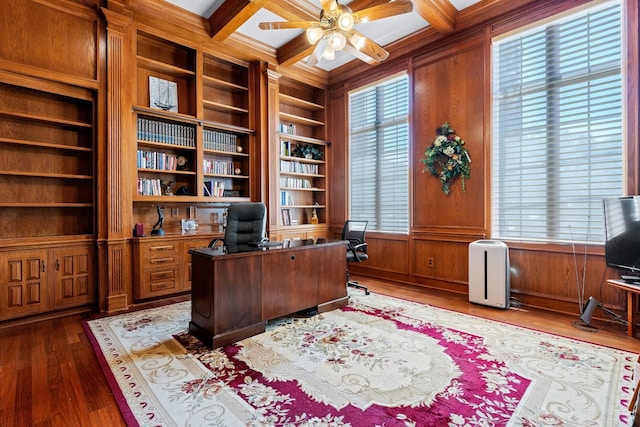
[447,158]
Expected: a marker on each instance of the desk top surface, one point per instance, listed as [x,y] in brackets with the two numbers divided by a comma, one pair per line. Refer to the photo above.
[633,287]
[254,248]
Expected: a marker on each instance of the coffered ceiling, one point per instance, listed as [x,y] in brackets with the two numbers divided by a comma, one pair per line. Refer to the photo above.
[227,17]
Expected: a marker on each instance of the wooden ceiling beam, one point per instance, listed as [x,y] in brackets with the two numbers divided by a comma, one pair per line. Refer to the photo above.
[231,15]
[294,50]
[294,10]
[440,14]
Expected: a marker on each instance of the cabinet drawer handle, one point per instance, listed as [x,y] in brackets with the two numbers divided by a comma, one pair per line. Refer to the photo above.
[293,257]
[161,260]
[161,248]
[43,266]
[155,287]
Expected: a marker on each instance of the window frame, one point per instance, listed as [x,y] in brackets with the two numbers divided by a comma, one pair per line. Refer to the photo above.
[545,24]
[405,119]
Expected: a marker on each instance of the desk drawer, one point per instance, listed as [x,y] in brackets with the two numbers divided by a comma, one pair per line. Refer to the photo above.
[161,261]
[158,248]
[161,264]
[160,282]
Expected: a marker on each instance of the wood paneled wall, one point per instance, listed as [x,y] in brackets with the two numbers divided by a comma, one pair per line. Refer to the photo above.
[451,82]
[57,40]
[450,86]
[70,42]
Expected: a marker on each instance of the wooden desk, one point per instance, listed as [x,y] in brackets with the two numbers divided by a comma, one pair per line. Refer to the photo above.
[632,303]
[234,294]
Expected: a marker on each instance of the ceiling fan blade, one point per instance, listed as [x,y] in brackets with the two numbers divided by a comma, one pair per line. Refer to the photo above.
[397,7]
[351,50]
[365,47]
[315,56]
[284,25]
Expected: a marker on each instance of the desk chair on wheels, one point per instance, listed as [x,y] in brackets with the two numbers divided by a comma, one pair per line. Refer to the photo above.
[246,222]
[353,232]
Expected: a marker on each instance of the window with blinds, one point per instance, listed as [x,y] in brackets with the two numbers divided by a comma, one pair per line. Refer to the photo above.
[558,127]
[379,155]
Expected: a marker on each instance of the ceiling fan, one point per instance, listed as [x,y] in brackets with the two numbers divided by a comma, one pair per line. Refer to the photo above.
[334,30]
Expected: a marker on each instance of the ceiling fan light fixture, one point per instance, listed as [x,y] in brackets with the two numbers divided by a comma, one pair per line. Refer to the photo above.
[314,33]
[329,53]
[337,40]
[334,29]
[345,21]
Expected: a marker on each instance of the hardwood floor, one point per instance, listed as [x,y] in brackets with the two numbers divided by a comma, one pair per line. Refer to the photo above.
[49,375]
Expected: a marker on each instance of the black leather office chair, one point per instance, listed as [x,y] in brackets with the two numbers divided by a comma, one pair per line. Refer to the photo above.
[246,222]
[353,232]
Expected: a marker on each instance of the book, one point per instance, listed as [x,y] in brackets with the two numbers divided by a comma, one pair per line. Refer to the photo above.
[286,217]
[214,188]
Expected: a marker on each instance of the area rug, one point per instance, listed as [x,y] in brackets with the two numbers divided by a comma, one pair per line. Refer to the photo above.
[380,361]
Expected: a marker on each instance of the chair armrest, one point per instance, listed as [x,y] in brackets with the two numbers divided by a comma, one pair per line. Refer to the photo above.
[361,247]
[214,241]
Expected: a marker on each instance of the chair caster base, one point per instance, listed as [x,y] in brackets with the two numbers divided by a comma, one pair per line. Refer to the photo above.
[359,286]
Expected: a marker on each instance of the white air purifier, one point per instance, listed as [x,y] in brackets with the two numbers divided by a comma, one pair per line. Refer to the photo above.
[489,282]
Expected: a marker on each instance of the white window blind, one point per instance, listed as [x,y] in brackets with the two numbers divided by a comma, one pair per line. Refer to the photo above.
[379,155]
[558,127]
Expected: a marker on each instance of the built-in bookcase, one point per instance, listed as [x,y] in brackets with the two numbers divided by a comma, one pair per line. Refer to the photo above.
[47,196]
[302,160]
[170,62]
[193,128]
[225,92]
[47,151]
[194,143]
[165,156]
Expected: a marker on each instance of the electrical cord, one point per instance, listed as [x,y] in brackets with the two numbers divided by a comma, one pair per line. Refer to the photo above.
[515,302]
[612,314]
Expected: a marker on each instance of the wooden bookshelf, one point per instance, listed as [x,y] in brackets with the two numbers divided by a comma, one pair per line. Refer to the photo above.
[301,155]
[47,196]
[208,127]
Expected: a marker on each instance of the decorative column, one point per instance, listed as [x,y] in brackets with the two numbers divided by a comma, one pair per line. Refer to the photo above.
[115,268]
[273,123]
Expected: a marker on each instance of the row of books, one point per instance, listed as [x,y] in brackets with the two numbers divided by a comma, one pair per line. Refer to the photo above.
[218,167]
[288,128]
[166,133]
[285,148]
[297,167]
[214,188]
[286,217]
[155,160]
[288,182]
[220,141]
[286,199]
[153,187]
[149,187]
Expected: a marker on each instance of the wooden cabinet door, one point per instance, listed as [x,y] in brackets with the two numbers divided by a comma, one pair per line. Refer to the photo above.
[23,283]
[289,282]
[332,282]
[73,277]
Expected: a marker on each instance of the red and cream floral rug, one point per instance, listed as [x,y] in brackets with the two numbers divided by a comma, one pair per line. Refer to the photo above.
[380,361]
